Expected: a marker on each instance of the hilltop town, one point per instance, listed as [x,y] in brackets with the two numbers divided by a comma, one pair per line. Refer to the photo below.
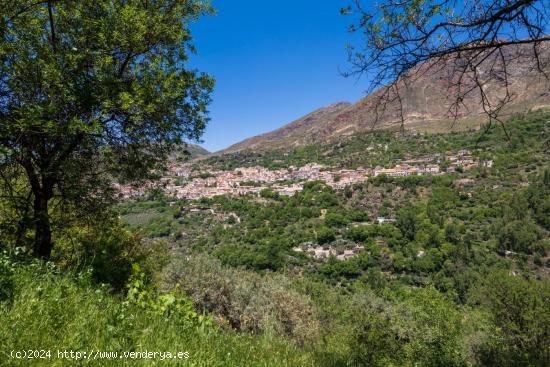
[182,182]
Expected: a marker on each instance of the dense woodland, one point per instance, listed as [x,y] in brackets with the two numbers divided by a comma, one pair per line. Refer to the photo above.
[460,278]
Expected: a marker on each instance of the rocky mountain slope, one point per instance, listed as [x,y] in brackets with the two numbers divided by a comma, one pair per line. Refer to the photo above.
[425,100]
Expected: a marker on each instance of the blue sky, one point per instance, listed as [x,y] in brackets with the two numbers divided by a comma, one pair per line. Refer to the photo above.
[273,61]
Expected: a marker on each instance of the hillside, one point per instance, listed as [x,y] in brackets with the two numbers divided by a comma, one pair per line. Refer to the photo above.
[187,152]
[374,270]
[425,98]
[196,151]
[416,235]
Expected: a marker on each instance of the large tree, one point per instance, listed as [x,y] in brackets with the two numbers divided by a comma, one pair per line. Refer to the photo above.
[92,90]
[473,42]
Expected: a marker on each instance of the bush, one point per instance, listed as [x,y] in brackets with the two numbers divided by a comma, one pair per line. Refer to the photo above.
[408,222]
[269,194]
[245,300]
[424,329]
[53,312]
[110,251]
[519,235]
[336,220]
[264,256]
[520,316]
[361,233]
[325,235]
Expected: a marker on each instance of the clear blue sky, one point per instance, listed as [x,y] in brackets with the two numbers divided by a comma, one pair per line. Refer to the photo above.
[273,61]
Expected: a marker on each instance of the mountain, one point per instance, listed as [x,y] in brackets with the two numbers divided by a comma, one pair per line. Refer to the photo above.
[196,151]
[297,130]
[425,100]
[186,152]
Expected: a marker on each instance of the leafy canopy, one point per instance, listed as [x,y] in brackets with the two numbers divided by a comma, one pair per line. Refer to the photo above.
[95,87]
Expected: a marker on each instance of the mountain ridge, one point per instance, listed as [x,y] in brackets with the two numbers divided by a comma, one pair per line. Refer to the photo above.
[425,105]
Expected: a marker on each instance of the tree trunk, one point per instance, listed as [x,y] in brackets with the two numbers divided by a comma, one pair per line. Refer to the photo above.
[43,233]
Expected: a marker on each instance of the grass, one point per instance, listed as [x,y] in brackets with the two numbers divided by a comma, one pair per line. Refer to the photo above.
[52,311]
[140,219]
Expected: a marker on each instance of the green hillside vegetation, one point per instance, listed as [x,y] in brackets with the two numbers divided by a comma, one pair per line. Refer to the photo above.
[384,147]
[459,278]
[446,269]
[55,310]
[98,98]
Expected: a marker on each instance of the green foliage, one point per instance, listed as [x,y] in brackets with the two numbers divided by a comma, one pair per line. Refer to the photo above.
[205,175]
[361,233]
[336,219]
[424,329]
[520,235]
[350,269]
[538,198]
[521,319]
[407,222]
[245,301]
[367,233]
[146,297]
[268,256]
[90,88]
[109,250]
[325,235]
[156,194]
[269,194]
[58,311]
[453,232]
[7,284]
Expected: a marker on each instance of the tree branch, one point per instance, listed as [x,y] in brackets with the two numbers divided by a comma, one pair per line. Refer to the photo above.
[52,27]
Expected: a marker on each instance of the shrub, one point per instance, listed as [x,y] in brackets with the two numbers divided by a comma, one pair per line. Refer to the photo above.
[519,235]
[424,329]
[244,300]
[144,295]
[361,233]
[110,251]
[54,311]
[269,194]
[325,235]
[336,220]
[520,319]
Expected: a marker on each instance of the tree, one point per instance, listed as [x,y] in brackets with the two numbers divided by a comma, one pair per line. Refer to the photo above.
[472,43]
[335,219]
[538,197]
[519,235]
[425,329]
[94,90]
[325,235]
[408,222]
[269,194]
[519,311]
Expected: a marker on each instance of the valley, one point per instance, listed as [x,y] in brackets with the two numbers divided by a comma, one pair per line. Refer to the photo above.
[410,227]
[450,235]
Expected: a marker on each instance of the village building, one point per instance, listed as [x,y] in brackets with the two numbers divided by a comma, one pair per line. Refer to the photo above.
[184,183]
